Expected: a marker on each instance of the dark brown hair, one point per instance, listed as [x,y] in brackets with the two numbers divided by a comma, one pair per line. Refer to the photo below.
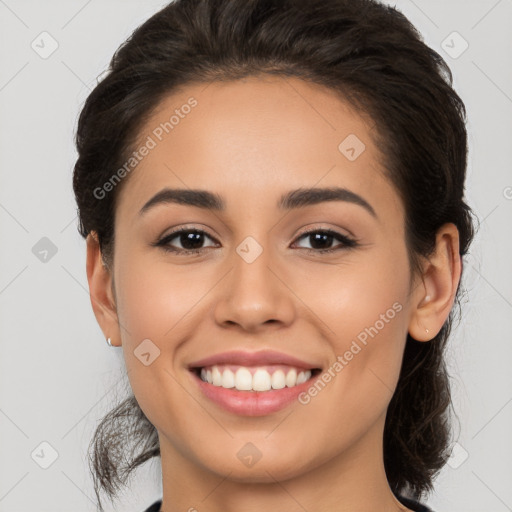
[372,57]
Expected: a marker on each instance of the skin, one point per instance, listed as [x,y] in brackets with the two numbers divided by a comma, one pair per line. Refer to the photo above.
[250,141]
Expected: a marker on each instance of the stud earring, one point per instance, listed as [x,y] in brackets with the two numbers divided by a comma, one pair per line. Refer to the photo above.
[109,342]
[427,298]
[426,330]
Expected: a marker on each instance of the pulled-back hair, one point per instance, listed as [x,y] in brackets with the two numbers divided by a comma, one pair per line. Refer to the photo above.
[372,57]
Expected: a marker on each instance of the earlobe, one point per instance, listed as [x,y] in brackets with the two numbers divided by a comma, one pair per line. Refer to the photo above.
[433,300]
[101,290]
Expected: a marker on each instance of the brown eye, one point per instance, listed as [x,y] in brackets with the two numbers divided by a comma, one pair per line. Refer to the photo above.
[321,240]
[191,241]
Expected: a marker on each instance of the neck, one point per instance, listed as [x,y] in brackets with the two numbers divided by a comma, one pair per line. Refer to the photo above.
[352,480]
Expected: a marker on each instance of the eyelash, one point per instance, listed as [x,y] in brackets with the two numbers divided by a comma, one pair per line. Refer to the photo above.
[163,243]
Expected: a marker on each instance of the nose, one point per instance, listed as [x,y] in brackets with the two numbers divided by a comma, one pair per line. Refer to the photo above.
[254,295]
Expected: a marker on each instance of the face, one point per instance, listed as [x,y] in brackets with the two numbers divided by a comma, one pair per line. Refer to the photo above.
[282,282]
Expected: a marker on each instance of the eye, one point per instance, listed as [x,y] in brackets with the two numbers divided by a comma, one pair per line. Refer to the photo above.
[322,239]
[191,241]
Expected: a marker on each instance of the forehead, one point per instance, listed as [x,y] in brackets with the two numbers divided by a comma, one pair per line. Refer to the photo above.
[257,137]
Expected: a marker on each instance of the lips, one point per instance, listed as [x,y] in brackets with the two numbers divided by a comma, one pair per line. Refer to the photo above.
[253,383]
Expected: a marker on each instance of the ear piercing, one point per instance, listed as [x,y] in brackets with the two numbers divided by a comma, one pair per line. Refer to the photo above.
[426,299]
[109,342]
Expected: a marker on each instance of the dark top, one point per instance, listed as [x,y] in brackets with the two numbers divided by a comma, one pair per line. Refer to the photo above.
[413,505]
[155,507]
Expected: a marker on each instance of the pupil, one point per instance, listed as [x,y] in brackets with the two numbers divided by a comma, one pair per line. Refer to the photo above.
[193,240]
[321,237]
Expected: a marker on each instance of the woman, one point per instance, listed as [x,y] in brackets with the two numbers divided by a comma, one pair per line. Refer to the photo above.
[272,194]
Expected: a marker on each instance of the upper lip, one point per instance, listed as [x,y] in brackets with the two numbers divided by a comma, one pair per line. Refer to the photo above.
[260,358]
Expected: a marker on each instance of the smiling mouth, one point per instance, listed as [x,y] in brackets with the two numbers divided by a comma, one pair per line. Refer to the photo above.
[254,378]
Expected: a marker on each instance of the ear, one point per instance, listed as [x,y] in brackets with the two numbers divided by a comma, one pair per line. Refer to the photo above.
[434,298]
[101,291]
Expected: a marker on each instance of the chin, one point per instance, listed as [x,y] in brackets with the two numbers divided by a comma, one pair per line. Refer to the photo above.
[266,469]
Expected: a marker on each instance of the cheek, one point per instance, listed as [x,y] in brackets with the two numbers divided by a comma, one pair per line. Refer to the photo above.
[364,311]
[155,309]
[365,293]
[156,300]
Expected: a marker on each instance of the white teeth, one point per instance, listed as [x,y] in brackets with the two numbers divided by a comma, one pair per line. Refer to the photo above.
[291,378]
[216,377]
[278,380]
[301,378]
[243,379]
[261,380]
[228,379]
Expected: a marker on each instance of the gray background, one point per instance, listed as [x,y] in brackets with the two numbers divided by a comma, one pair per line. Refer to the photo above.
[58,376]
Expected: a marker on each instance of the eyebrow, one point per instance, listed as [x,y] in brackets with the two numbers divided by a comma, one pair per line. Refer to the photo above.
[298,198]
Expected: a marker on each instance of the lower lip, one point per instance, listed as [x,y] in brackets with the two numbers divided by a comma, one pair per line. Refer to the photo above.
[252,403]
